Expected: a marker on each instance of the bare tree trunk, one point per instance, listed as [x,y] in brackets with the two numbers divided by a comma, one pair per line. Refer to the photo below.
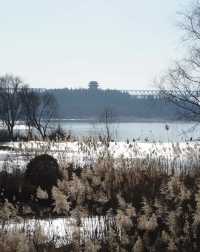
[10,102]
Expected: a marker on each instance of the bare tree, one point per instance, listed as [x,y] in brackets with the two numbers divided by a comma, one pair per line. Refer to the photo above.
[181,83]
[38,109]
[10,110]
[30,102]
[107,117]
[45,113]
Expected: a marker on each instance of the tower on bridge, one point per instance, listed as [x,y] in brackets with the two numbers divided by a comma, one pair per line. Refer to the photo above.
[93,85]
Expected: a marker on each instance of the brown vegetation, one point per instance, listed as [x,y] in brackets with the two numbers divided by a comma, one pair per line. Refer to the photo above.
[151,209]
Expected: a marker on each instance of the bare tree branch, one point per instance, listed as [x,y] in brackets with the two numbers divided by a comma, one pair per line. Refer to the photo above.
[10,111]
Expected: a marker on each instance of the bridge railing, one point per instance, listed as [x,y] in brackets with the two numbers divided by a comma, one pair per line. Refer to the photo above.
[158,93]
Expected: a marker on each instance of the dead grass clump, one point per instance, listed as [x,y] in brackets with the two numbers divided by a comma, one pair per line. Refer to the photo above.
[15,242]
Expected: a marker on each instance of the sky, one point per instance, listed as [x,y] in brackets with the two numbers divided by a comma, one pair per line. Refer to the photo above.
[122,44]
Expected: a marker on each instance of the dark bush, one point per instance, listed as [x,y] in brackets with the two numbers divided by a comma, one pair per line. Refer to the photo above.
[18,136]
[10,185]
[43,171]
[4,136]
[6,148]
[58,134]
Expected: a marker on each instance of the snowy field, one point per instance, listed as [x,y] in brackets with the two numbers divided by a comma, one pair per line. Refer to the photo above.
[60,230]
[87,152]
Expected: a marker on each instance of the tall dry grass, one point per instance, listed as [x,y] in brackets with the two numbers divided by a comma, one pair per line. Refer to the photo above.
[147,205]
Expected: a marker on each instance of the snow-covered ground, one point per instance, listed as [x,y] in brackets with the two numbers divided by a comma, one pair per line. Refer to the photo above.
[60,230]
[83,152]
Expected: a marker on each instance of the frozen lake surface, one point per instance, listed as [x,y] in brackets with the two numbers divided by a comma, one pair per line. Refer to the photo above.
[140,131]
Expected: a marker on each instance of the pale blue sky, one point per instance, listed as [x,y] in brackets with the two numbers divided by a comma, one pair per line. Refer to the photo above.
[122,44]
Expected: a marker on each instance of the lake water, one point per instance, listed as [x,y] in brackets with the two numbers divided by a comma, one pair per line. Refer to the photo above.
[141,131]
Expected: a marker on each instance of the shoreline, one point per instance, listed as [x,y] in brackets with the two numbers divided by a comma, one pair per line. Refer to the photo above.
[122,120]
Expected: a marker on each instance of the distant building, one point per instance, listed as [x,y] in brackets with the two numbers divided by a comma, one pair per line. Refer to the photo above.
[93,85]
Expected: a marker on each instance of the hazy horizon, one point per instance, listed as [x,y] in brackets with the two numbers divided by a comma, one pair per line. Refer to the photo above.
[120,44]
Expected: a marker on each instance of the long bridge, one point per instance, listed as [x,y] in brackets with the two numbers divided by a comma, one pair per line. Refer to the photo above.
[139,93]
[143,93]
[135,93]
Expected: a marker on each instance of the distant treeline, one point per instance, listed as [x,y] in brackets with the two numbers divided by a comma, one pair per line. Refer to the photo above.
[87,103]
